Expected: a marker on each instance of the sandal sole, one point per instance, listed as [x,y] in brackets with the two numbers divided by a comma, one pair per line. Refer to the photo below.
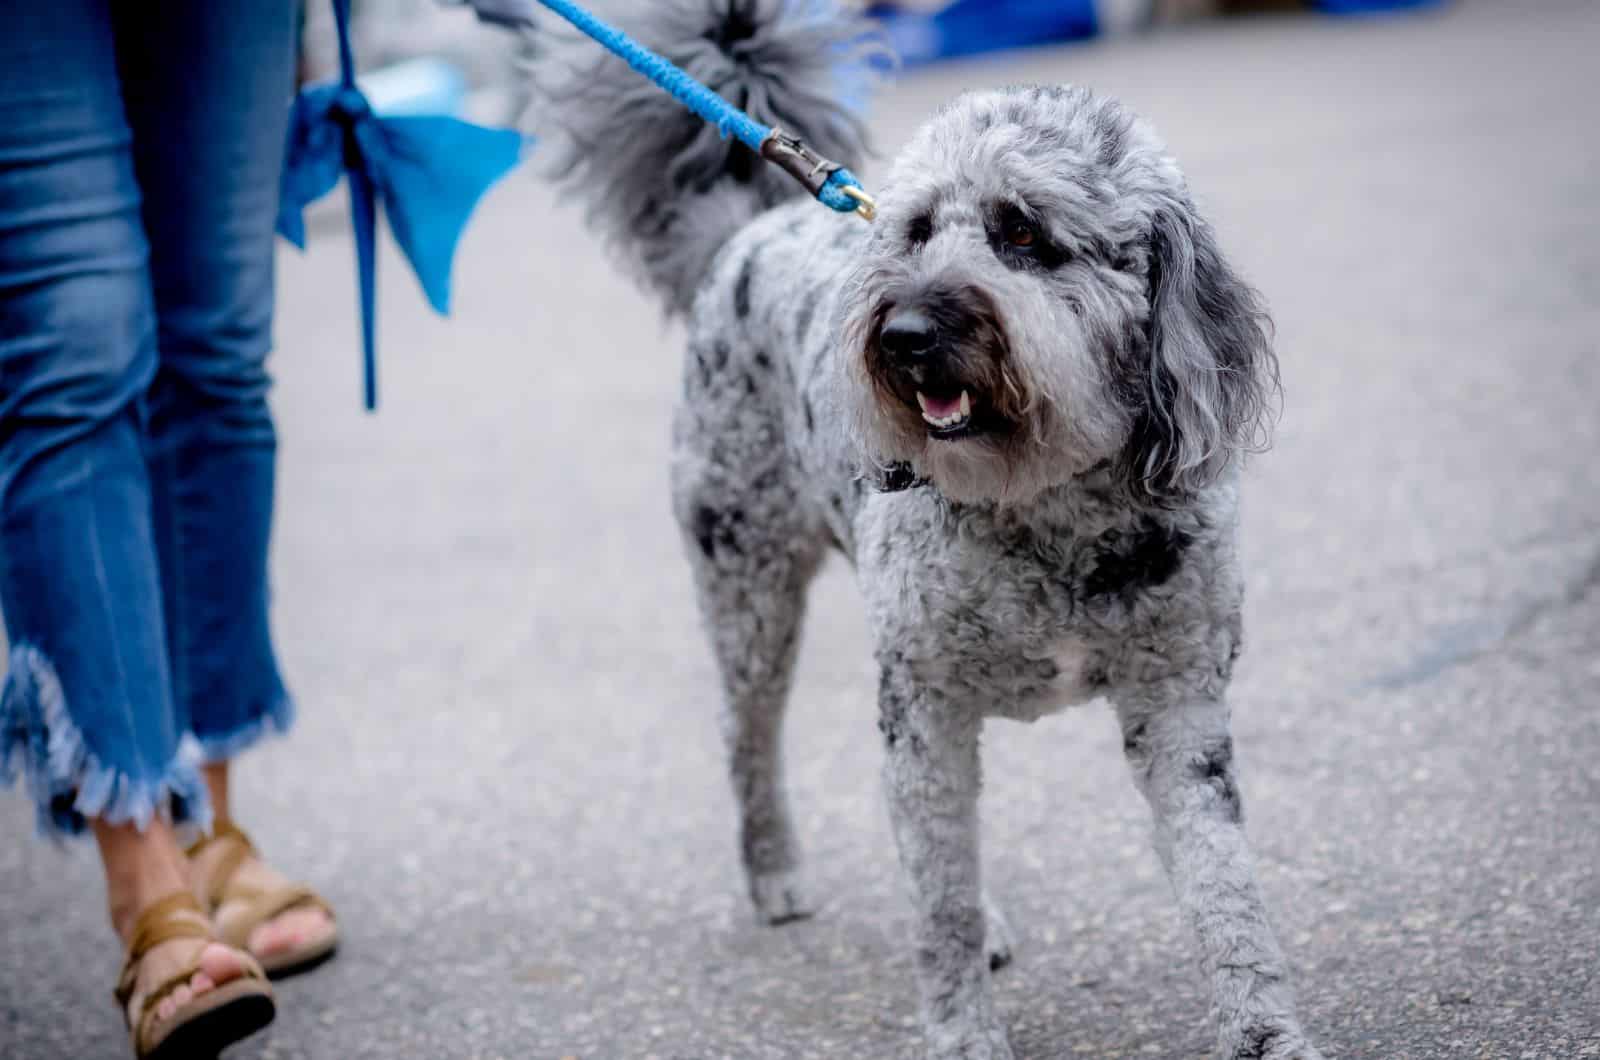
[300,961]
[237,1010]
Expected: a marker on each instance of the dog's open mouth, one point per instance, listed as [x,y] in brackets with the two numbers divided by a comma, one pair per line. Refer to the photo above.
[947,415]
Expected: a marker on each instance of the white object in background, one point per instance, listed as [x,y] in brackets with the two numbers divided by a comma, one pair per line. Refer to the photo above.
[1124,16]
[415,87]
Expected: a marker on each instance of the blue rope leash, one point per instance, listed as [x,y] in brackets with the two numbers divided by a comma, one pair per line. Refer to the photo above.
[833,185]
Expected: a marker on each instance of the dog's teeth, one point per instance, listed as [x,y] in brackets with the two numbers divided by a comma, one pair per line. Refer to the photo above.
[961,414]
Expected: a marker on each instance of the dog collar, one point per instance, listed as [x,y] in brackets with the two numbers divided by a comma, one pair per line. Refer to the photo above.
[897,477]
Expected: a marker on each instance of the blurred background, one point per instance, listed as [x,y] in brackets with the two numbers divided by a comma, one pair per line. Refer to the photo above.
[507,774]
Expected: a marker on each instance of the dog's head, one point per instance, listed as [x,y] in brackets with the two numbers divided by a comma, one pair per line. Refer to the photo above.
[1039,298]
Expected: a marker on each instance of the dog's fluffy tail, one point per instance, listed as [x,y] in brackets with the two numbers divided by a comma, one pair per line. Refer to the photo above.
[662,186]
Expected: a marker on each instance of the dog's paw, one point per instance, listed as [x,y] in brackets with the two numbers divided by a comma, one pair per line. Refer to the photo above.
[998,939]
[975,1041]
[779,897]
[1273,1041]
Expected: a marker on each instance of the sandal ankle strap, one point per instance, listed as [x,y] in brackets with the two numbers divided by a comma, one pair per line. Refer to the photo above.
[220,832]
[240,848]
[162,921]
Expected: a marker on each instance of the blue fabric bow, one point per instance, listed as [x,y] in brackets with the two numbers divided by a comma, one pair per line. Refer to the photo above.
[428,172]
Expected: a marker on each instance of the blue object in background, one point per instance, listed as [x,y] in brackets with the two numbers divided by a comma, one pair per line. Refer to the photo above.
[1371,7]
[968,27]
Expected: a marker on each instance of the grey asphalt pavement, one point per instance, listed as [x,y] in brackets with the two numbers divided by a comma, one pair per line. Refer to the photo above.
[507,777]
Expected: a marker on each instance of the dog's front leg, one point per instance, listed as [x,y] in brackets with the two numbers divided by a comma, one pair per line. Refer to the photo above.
[1182,760]
[932,778]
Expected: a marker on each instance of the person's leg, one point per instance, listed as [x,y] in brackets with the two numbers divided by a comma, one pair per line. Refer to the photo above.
[216,77]
[87,697]
[207,86]
[85,712]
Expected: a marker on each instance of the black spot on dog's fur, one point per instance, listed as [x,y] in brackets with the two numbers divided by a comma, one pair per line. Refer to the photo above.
[741,288]
[807,311]
[1143,559]
[1216,769]
[921,229]
[738,25]
[763,362]
[1255,1043]
[894,704]
[1133,740]
[704,529]
[811,416]
[716,531]
[891,709]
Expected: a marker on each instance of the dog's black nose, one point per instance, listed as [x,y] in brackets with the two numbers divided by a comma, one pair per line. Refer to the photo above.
[908,335]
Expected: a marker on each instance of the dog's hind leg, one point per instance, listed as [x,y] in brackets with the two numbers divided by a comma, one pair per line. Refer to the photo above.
[1182,760]
[753,555]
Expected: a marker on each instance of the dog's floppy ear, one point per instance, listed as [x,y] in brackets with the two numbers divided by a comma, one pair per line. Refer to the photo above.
[1212,373]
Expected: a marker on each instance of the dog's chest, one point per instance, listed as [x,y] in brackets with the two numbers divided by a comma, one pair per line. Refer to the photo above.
[1067,674]
[998,628]
[1018,621]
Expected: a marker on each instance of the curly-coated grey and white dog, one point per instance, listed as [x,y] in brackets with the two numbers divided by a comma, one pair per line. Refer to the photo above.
[1015,403]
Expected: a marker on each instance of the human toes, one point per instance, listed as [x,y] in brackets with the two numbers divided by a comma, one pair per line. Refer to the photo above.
[288,930]
[218,964]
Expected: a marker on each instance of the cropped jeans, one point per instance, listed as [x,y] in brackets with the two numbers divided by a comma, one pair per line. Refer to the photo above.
[141,146]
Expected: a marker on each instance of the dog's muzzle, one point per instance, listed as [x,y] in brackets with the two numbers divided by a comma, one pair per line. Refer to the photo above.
[932,355]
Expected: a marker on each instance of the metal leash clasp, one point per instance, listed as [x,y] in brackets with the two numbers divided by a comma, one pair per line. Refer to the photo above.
[790,154]
[867,207]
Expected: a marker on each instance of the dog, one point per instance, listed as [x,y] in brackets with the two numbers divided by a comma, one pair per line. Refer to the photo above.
[1017,403]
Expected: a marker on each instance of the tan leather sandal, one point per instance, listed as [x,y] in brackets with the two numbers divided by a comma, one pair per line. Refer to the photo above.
[237,909]
[206,1025]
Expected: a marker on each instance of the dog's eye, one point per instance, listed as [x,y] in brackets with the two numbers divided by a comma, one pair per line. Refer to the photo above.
[1022,242]
[1020,232]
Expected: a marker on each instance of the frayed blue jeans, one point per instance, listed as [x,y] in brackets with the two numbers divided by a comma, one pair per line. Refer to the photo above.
[141,146]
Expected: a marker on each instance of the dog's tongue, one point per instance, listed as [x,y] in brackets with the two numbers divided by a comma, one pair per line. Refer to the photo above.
[938,407]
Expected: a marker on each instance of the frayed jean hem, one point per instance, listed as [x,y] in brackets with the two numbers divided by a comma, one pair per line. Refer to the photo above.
[274,720]
[67,781]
